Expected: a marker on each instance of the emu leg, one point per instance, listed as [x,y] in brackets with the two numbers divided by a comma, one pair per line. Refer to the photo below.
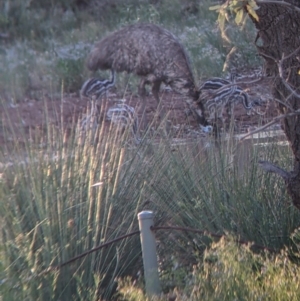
[142,93]
[198,111]
[162,114]
[155,91]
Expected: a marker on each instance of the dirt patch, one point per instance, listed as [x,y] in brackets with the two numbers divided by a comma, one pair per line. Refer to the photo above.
[30,117]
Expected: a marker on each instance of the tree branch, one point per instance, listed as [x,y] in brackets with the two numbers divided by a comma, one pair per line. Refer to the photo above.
[280,70]
[270,167]
[284,104]
[291,54]
[276,119]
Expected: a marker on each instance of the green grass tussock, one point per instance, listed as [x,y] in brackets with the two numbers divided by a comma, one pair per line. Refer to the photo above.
[50,212]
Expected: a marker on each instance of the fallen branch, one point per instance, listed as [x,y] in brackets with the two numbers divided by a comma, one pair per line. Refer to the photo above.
[290,178]
[276,119]
[270,167]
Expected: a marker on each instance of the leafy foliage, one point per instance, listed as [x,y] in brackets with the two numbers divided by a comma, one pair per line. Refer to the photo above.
[69,73]
[237,8]
[231,272]
[52,214]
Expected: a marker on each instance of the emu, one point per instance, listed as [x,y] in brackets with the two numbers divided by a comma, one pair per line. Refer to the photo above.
[152,53]
[125,116]
[217,100]
[218,93]
[95,88]
[215,83]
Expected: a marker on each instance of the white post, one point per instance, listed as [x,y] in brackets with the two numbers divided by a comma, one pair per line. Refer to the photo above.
[149,253]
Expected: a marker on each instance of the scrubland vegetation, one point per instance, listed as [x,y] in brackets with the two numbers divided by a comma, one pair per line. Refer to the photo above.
[50,212]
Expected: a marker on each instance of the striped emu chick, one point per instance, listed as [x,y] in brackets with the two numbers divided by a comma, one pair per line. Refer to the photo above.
[241,96]
[124,116]
[218,93]
[95,89]
[225,97]
[152,53]
[215,83]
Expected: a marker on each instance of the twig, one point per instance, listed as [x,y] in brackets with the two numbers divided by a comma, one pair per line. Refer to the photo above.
[284,104]
[291,54]
[267,56]
[277,118]
[258,130]
[280,70]
[252,81]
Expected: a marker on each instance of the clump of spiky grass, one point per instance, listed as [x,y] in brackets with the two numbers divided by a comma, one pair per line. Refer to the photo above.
[216,186]
[50,212]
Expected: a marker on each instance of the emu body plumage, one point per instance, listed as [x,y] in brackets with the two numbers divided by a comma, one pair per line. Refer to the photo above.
[150,52]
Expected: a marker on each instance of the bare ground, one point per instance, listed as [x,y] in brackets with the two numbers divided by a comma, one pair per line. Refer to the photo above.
[29,117]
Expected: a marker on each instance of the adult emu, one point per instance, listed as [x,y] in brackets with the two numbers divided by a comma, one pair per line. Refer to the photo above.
[152,53]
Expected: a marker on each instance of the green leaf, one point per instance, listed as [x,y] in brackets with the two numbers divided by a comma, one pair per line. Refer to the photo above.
[239,17]
[227,16]
[221,21]
[252,12]
[253,4]
[237,5]
[215,7]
